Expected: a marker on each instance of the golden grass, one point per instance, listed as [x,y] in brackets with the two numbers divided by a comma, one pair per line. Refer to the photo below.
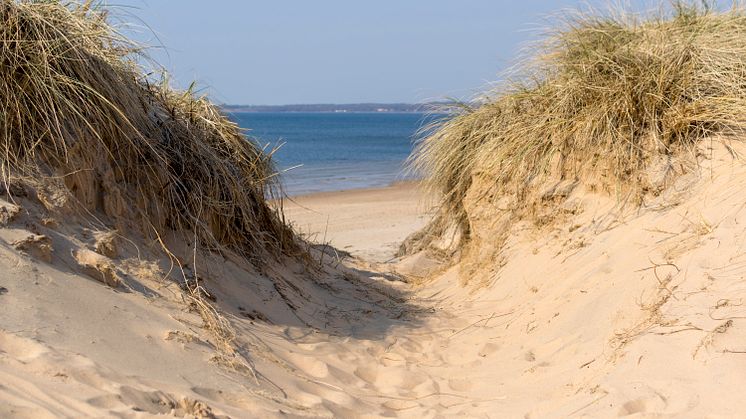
[75,105]
[604,97]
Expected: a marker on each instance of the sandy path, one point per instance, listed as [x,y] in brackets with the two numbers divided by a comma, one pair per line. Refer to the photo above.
[630,312]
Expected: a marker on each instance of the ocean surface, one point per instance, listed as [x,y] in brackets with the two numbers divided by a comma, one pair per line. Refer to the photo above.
[323,152]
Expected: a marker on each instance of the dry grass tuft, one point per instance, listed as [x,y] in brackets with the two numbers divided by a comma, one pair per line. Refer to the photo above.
[82,122]
[75,108]
[606,98]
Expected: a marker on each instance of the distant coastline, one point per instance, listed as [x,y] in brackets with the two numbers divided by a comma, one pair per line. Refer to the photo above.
[325,151]
[340,108]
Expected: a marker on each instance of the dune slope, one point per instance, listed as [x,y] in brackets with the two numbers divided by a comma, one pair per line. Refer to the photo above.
[615,311]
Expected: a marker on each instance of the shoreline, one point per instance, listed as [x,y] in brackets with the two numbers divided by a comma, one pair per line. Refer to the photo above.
[409,183]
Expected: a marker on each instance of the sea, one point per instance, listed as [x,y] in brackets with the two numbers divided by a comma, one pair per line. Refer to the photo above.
[322,152]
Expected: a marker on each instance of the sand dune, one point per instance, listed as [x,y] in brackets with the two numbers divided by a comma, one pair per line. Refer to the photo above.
[619,311]
[594,271]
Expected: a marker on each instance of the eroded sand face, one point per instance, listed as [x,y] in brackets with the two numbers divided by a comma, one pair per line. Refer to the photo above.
[619,312]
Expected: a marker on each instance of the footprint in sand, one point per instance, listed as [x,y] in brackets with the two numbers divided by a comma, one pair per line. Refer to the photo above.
[19,348]
[632,407]
[344,377]
[367,373]
[407,380]
[309,390]
[411,346]
[460,384]
[391,359]
[488,349]
[309,365]
[418,383]
[652,403]
[107,401]
[399,405]
[305,398]
[342,411]
[376,351]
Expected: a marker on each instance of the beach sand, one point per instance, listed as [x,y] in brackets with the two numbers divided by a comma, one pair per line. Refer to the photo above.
[614,312]
[367,223]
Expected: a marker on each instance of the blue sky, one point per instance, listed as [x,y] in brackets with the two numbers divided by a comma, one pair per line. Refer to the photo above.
[337,51]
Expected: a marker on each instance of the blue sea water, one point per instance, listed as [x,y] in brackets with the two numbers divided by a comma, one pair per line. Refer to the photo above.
[335,151]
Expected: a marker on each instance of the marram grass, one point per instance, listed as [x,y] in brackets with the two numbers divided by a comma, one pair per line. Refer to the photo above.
[74,105]
[604,96]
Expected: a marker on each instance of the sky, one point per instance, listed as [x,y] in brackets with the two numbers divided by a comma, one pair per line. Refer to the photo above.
[271,52]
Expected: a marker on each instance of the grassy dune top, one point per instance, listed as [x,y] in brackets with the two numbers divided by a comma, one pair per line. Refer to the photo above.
[76,110]
[602,98]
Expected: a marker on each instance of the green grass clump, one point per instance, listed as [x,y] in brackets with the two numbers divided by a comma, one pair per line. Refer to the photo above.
[75,105]
[603,97]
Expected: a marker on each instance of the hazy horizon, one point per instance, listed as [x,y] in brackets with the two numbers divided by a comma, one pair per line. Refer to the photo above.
[336,52]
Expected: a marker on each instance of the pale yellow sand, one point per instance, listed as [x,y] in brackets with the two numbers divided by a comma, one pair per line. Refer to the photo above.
[368,223]
[618,312]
